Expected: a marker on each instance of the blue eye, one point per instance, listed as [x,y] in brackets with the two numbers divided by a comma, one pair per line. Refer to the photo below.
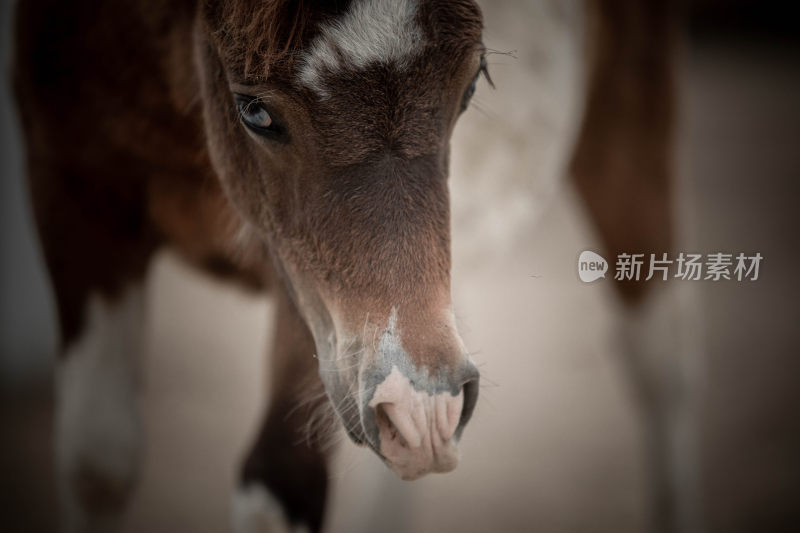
[470,90]
[482,70]
[468,93]
[254,115]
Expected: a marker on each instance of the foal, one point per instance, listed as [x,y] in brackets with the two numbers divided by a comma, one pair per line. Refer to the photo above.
[299,147]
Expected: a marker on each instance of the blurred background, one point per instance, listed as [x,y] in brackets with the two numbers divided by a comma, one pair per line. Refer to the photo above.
[554,444]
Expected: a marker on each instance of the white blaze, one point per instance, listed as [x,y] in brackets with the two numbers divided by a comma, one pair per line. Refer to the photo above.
[370,32]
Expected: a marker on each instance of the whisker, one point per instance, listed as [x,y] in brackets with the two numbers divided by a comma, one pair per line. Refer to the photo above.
[493,52]
[479,106]
[487,400]
[339,369]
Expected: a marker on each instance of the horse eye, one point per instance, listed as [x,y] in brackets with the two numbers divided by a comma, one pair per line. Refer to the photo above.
[470,90]
[482,69]
[468,93]
[254,114]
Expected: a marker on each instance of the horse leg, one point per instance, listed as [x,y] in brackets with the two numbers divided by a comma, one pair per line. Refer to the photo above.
[97,251]
[623,169]
[284,479]
[97,421]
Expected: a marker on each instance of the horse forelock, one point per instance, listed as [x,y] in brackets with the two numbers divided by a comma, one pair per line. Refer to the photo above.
[387,32]
[308,39]
[257,34]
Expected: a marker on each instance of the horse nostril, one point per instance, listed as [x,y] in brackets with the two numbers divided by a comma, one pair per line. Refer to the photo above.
[470,388]
[383,421]
[416,425]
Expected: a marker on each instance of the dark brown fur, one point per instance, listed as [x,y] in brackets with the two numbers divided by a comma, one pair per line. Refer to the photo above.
[132,148]
[134,144]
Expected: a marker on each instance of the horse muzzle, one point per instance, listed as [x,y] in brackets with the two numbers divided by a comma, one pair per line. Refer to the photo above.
[415,423]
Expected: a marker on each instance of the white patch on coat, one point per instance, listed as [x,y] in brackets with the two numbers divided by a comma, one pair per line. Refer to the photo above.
[662,350]
[661,337]
[255,510]
[97,420]
[390,341]
[370,32]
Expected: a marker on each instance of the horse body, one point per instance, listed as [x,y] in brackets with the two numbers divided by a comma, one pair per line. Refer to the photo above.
[304,151]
